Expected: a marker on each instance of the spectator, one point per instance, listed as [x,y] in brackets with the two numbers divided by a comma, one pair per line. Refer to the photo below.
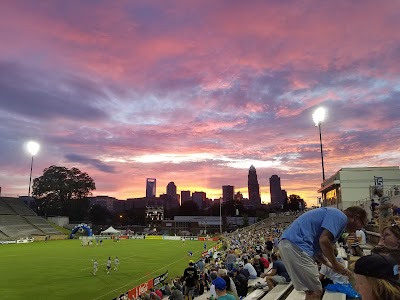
[200,265]
[377,277]
[311,237]
[175,294]
[241,282]
[390,237]
[220,288]
[327,275]
[243,271]
[231,286]
[277,274]
[249,267]
[230,260]
[166,289]
[190,278]
[229,290]
[213,276]
[159,293]
[355,241]
[154,296]
[264,261]
[258,265]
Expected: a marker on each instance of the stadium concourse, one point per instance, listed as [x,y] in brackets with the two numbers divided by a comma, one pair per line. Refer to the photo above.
[253,248]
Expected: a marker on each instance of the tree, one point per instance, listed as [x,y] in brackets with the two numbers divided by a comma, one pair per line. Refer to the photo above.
[58,186]
[295,203]
[99,215]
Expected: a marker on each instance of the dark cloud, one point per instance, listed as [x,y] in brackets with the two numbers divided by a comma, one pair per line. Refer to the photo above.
[97,164]
[42,95]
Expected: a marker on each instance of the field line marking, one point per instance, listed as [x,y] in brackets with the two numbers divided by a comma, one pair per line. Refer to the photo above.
[142,277]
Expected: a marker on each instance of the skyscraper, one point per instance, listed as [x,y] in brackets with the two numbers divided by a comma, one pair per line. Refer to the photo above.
[185,196]
[253,187]
[171,193]
[171,190]
[199,198]
[275,191]
[227,193]
[150,187]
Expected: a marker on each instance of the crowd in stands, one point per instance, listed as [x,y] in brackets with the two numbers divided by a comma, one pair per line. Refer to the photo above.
[281,254]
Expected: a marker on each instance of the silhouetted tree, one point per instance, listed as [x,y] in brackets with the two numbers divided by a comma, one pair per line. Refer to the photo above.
[99,215]
[58,186]
[295,203]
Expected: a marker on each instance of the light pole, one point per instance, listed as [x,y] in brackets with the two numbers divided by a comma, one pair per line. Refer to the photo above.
[318,117]
[220,215]
[33,149]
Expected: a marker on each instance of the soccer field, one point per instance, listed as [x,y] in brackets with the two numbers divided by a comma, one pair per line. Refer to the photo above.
[64,269]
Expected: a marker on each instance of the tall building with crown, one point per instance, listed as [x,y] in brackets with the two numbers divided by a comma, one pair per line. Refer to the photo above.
[253,187]
[150,187]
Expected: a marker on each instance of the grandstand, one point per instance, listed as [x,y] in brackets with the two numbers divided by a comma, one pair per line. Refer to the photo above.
[18,220]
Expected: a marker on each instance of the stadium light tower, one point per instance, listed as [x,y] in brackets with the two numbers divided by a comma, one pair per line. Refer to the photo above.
[318,118]
[33,149]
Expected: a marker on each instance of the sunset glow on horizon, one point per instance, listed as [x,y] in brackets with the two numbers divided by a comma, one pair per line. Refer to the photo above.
[196,92]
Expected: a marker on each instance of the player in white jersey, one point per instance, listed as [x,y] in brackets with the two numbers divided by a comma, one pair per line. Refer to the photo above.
[95,266]
[116,263]
[108,265]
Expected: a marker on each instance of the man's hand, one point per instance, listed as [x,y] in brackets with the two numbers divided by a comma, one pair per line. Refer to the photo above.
[340,269]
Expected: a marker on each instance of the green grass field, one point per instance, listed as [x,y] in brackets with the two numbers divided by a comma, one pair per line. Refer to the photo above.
[63,269]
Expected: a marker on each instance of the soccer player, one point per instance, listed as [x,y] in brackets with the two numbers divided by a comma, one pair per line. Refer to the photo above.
[108,265]
[95,266]
[116,263]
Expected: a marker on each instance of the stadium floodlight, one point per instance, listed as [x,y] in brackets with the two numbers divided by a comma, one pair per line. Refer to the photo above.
[318,117]
[33,149]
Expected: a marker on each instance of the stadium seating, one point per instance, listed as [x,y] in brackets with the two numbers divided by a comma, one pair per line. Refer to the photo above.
[5,209]
[42,224]
[16,226]
[279,292]
[19,206]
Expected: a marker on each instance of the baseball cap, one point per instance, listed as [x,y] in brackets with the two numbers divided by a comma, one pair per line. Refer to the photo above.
[378,266]
[219,283]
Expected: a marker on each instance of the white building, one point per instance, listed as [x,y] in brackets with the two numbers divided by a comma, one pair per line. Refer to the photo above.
[351,186]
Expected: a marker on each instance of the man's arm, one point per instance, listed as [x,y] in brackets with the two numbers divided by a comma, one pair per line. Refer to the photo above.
[325,242]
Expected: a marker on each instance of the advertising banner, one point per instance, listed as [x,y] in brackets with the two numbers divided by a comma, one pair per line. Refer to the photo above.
[160,279]
[154,237]
[140,289]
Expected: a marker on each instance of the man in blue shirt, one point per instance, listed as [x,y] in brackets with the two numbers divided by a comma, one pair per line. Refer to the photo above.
[312,237]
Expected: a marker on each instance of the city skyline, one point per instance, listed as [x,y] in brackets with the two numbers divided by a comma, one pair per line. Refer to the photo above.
[196,92]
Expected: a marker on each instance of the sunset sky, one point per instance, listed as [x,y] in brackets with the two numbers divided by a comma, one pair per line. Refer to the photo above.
[196,92]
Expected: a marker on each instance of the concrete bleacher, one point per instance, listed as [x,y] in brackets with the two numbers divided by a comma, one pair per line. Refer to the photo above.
[256,294]
[19,206]
[2,235]
[279,292]
[5,209]
[42,224]
[16,226]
